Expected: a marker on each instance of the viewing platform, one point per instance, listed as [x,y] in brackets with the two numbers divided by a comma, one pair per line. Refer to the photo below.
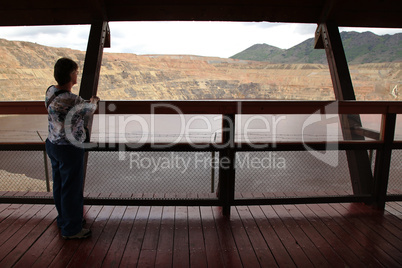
[304,235]
[324,192]
[306,213]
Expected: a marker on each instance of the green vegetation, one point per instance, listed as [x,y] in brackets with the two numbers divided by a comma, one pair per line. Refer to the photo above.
[359,48]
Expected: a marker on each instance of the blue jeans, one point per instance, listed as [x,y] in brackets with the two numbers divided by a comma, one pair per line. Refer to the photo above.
[68,175]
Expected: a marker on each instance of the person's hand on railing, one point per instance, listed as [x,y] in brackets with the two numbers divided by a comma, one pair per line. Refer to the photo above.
[94,100]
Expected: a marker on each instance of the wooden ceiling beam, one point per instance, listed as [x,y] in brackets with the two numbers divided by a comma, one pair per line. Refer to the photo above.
[368,13]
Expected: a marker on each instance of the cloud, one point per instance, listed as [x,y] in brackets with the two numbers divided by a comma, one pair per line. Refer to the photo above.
[264,24]
[75,37]
[221,39]
[32,32]
[198,38]
[305,29]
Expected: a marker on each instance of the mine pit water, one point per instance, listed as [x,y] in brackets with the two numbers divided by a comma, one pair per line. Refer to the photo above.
[191,172]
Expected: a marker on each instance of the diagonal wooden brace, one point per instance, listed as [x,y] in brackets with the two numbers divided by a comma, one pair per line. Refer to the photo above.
[98,37]
[361,175]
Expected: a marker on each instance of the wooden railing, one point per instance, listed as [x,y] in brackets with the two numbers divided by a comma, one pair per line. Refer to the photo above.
[383,143]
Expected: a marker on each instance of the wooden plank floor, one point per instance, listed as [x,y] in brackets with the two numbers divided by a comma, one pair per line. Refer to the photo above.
[312,235]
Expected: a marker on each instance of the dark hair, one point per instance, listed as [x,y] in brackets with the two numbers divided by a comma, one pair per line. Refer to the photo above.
[62,70]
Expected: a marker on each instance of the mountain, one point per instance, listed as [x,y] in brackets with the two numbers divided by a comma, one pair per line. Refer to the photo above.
[26,70]
[259,52]
[359,48]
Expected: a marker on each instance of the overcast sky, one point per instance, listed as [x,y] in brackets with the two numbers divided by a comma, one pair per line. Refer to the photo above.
[220,39]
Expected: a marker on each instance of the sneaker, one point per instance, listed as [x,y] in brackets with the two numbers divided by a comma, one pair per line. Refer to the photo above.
[84,233]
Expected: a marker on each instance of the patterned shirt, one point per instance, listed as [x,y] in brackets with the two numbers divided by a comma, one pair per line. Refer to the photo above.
[66,117]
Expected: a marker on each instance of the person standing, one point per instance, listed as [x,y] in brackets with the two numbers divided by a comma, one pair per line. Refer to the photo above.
[66,156]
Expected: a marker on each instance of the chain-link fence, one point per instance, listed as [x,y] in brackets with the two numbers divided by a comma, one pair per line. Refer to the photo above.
[24,171]
[282,173]
[285,173]
[395,173]
[152,172]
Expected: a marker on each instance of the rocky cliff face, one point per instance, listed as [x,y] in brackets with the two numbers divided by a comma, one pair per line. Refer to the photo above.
[26,70]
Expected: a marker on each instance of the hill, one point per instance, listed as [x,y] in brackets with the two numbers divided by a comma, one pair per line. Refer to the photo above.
[26,70]
[359,48]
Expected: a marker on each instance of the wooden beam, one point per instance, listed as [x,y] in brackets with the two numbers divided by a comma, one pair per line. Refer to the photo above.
[218,107]
[93,59]
[98,9]
[326,11]
[91,72]
[208,147]
[325,16]
[358,160]
[338,66]
[356,13]
[107,42]
[383,160]
[227,165]
[92,65]
[318,40]
[365,132]
[110,201]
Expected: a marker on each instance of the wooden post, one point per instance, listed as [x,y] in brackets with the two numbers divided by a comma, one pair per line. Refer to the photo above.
[227,158]
[358,160]
[383,160]
[93,59]
[46,171]
[98,35]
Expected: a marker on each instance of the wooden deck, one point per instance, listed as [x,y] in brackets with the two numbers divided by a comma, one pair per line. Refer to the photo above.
[313,235]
